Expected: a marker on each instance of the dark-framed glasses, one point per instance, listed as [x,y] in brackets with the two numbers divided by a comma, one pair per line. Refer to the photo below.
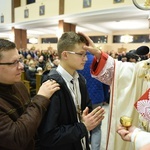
[83,55]
[12,63]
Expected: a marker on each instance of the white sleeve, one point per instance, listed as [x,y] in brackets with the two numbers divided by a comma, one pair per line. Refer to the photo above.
[140,138]
[106,74]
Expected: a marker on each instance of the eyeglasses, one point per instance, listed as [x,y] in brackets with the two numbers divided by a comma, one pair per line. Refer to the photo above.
[83,55]
[13,63]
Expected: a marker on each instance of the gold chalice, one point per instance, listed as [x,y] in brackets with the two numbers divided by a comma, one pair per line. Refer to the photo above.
[126,121]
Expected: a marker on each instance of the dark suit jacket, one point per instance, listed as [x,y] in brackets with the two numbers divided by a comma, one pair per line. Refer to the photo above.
[60,128]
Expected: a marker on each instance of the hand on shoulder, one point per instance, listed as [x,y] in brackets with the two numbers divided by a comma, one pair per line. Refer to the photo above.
[48,88]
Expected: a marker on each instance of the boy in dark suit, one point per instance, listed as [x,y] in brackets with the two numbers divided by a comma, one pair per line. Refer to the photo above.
[70,108]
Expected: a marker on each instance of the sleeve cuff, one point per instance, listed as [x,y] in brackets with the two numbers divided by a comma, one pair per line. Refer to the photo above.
[135,132]
[97,65]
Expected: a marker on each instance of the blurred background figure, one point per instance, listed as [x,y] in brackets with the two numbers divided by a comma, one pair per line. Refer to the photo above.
[41,62]
[97,96]
[40,70]
[31,74]
[132,56]
[46,71]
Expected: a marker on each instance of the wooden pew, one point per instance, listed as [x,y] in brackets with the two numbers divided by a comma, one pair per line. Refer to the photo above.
[38,81]
[27,84]
[23,76]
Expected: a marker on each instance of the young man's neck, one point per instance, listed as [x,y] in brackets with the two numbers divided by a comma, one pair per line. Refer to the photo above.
[68,69]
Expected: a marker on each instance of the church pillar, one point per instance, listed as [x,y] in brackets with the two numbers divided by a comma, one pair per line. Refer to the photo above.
[15,3]
[20,38]
[20,35]
[63,26]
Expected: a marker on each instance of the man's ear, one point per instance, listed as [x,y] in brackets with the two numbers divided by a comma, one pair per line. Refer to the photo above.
[64,55]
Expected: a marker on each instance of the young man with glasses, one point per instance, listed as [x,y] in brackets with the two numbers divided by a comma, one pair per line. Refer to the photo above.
[19,117]
[70,107]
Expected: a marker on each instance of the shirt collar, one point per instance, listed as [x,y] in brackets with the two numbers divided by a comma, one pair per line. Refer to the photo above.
[66,75]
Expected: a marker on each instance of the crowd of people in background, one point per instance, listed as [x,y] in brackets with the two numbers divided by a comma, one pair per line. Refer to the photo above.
[130,56]
[39,57]
[49,58]
[36,61]
[42,61]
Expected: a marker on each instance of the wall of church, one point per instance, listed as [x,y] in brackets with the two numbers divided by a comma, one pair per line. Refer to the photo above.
[51,10]
[6,10]
[71,7]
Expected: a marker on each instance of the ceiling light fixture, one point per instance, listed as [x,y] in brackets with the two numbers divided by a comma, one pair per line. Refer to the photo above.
[126,39]
[33,40]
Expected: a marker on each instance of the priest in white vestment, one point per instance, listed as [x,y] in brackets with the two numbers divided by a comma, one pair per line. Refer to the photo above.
[140,138]
[128,83]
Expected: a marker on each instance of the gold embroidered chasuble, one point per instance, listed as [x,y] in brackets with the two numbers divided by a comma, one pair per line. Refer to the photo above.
[128,83]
